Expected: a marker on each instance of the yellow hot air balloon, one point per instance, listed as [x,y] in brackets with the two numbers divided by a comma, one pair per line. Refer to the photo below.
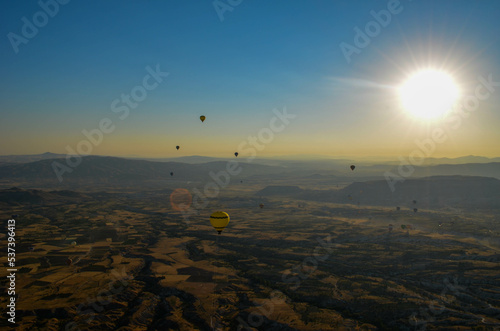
[202,118]
[219,220]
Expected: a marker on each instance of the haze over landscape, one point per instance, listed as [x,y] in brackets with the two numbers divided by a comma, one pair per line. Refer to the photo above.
[346,152]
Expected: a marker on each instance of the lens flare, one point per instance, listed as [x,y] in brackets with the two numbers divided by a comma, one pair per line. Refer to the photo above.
[181,199]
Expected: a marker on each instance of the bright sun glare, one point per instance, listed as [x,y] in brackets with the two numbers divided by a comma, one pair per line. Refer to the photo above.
[429,94]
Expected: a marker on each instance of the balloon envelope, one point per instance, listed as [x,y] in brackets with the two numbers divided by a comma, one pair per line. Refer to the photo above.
[236,154]
[353,167]
[219,220]
[202,118]
[177,147]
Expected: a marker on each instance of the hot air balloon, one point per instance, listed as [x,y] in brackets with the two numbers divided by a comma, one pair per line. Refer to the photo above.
[236,154]
[177,147]
[353,167]
[171,174]
[415,210]
[398,208]
[219,220]
[73,243]
[202,118]
[261,205]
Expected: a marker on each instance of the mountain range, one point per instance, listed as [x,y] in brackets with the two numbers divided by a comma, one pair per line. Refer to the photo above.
[467,192]
[100,170]
[272,160]
[104,170]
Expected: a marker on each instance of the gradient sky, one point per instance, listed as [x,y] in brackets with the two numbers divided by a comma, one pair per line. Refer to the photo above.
[263,55]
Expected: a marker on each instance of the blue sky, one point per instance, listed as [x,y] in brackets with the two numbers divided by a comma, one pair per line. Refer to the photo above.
[262,56]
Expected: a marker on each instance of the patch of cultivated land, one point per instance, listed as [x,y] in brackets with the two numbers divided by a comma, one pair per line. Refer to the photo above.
[290,265]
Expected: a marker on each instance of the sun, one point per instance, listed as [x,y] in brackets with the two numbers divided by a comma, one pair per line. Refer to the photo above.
[429,94]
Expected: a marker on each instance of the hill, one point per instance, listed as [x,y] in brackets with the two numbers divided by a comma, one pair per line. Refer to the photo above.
[430,192]
[461,160]
[5,159]
[280,190]
[467,192]
[491,169]
[17,196]
[99,171]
